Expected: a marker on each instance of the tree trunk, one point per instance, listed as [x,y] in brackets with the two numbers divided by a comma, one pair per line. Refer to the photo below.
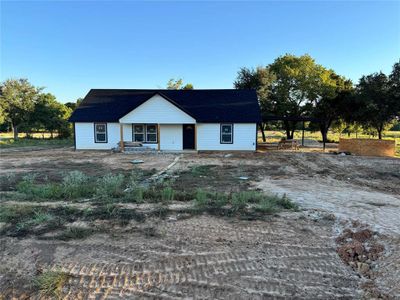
[262,132]
[287,129]
[51,134]
[15,131]
[380,133]
[292,133]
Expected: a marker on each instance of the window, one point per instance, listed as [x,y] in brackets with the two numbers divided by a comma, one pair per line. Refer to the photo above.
[138,133]
[151,133]
[226,134]
[145,133]
[100,132]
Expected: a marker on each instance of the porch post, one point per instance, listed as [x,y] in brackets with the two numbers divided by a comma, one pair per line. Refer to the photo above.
[121,130]
[158,137]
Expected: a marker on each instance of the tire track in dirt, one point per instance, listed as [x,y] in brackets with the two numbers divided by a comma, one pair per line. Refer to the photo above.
[246,260]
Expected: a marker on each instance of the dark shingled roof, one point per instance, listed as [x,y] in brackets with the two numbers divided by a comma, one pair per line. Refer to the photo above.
[206,106]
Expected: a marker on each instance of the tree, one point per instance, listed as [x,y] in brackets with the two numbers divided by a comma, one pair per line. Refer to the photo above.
[173,84]
[259,79]
[378,105]
[17,101]
[299,83]
[74,105]
[334,95]
[50,115]
[394,87]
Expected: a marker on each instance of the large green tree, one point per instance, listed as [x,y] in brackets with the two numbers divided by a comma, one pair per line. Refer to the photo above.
[334,96]
[17,101]
[300,83]
[378,104]
[290,87]
[259,79]
[50,115]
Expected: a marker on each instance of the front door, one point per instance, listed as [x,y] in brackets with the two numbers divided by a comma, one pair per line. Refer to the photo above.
[188,136]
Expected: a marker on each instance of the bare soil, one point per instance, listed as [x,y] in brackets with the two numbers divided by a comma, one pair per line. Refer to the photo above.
[350,209]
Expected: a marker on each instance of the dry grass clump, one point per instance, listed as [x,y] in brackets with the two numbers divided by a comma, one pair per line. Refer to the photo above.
[50,283]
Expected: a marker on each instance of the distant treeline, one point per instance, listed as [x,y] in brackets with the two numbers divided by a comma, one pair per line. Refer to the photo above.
[291,86]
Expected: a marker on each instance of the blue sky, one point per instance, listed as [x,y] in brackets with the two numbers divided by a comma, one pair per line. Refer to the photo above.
[70,47]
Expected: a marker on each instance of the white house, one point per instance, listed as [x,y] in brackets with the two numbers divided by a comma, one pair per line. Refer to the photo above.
[168,119]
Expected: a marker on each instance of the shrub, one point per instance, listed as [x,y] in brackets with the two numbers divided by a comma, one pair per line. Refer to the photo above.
[50,283]
[110,186]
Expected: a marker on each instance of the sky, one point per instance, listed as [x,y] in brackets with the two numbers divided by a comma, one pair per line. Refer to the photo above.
[69,47]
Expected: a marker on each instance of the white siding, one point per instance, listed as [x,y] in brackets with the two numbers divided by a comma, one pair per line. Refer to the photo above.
[127,132]
[157,110]
[244,137]
[171,137]
[84,135]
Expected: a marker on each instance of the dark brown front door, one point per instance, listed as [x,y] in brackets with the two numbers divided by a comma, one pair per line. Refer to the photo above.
[188,136]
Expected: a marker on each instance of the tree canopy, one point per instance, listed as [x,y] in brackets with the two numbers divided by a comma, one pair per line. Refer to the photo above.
[26,107]
[177,84]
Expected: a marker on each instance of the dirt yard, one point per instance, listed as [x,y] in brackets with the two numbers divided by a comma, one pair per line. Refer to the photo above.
[343,243]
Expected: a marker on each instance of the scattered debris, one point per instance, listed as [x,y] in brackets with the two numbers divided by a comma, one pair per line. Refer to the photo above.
[137,161]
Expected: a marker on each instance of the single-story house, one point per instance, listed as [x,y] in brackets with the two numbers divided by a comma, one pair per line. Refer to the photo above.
[168,119]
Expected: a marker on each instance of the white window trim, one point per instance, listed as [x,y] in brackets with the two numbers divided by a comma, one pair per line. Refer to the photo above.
[221,133]
[96,132]
[145,133]
[156,133]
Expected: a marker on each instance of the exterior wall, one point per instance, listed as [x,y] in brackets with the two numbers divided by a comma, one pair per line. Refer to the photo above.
[127,132]
[244,137]
[84,135]
[368,147]
[171,137]
[157,110]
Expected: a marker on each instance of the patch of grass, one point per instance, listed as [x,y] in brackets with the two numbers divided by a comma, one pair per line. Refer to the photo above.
[272,204]
[167,194]
[75,184]
[110,186]
[50,283]
[286,203]
[7,182]
[200,170]
[30,142]
[239,201]
[74,233]
[201,199]
[15,213]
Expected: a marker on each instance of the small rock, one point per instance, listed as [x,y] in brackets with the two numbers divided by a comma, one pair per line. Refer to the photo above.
[362,268]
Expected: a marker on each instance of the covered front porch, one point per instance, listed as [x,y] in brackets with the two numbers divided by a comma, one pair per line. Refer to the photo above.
[157,137]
